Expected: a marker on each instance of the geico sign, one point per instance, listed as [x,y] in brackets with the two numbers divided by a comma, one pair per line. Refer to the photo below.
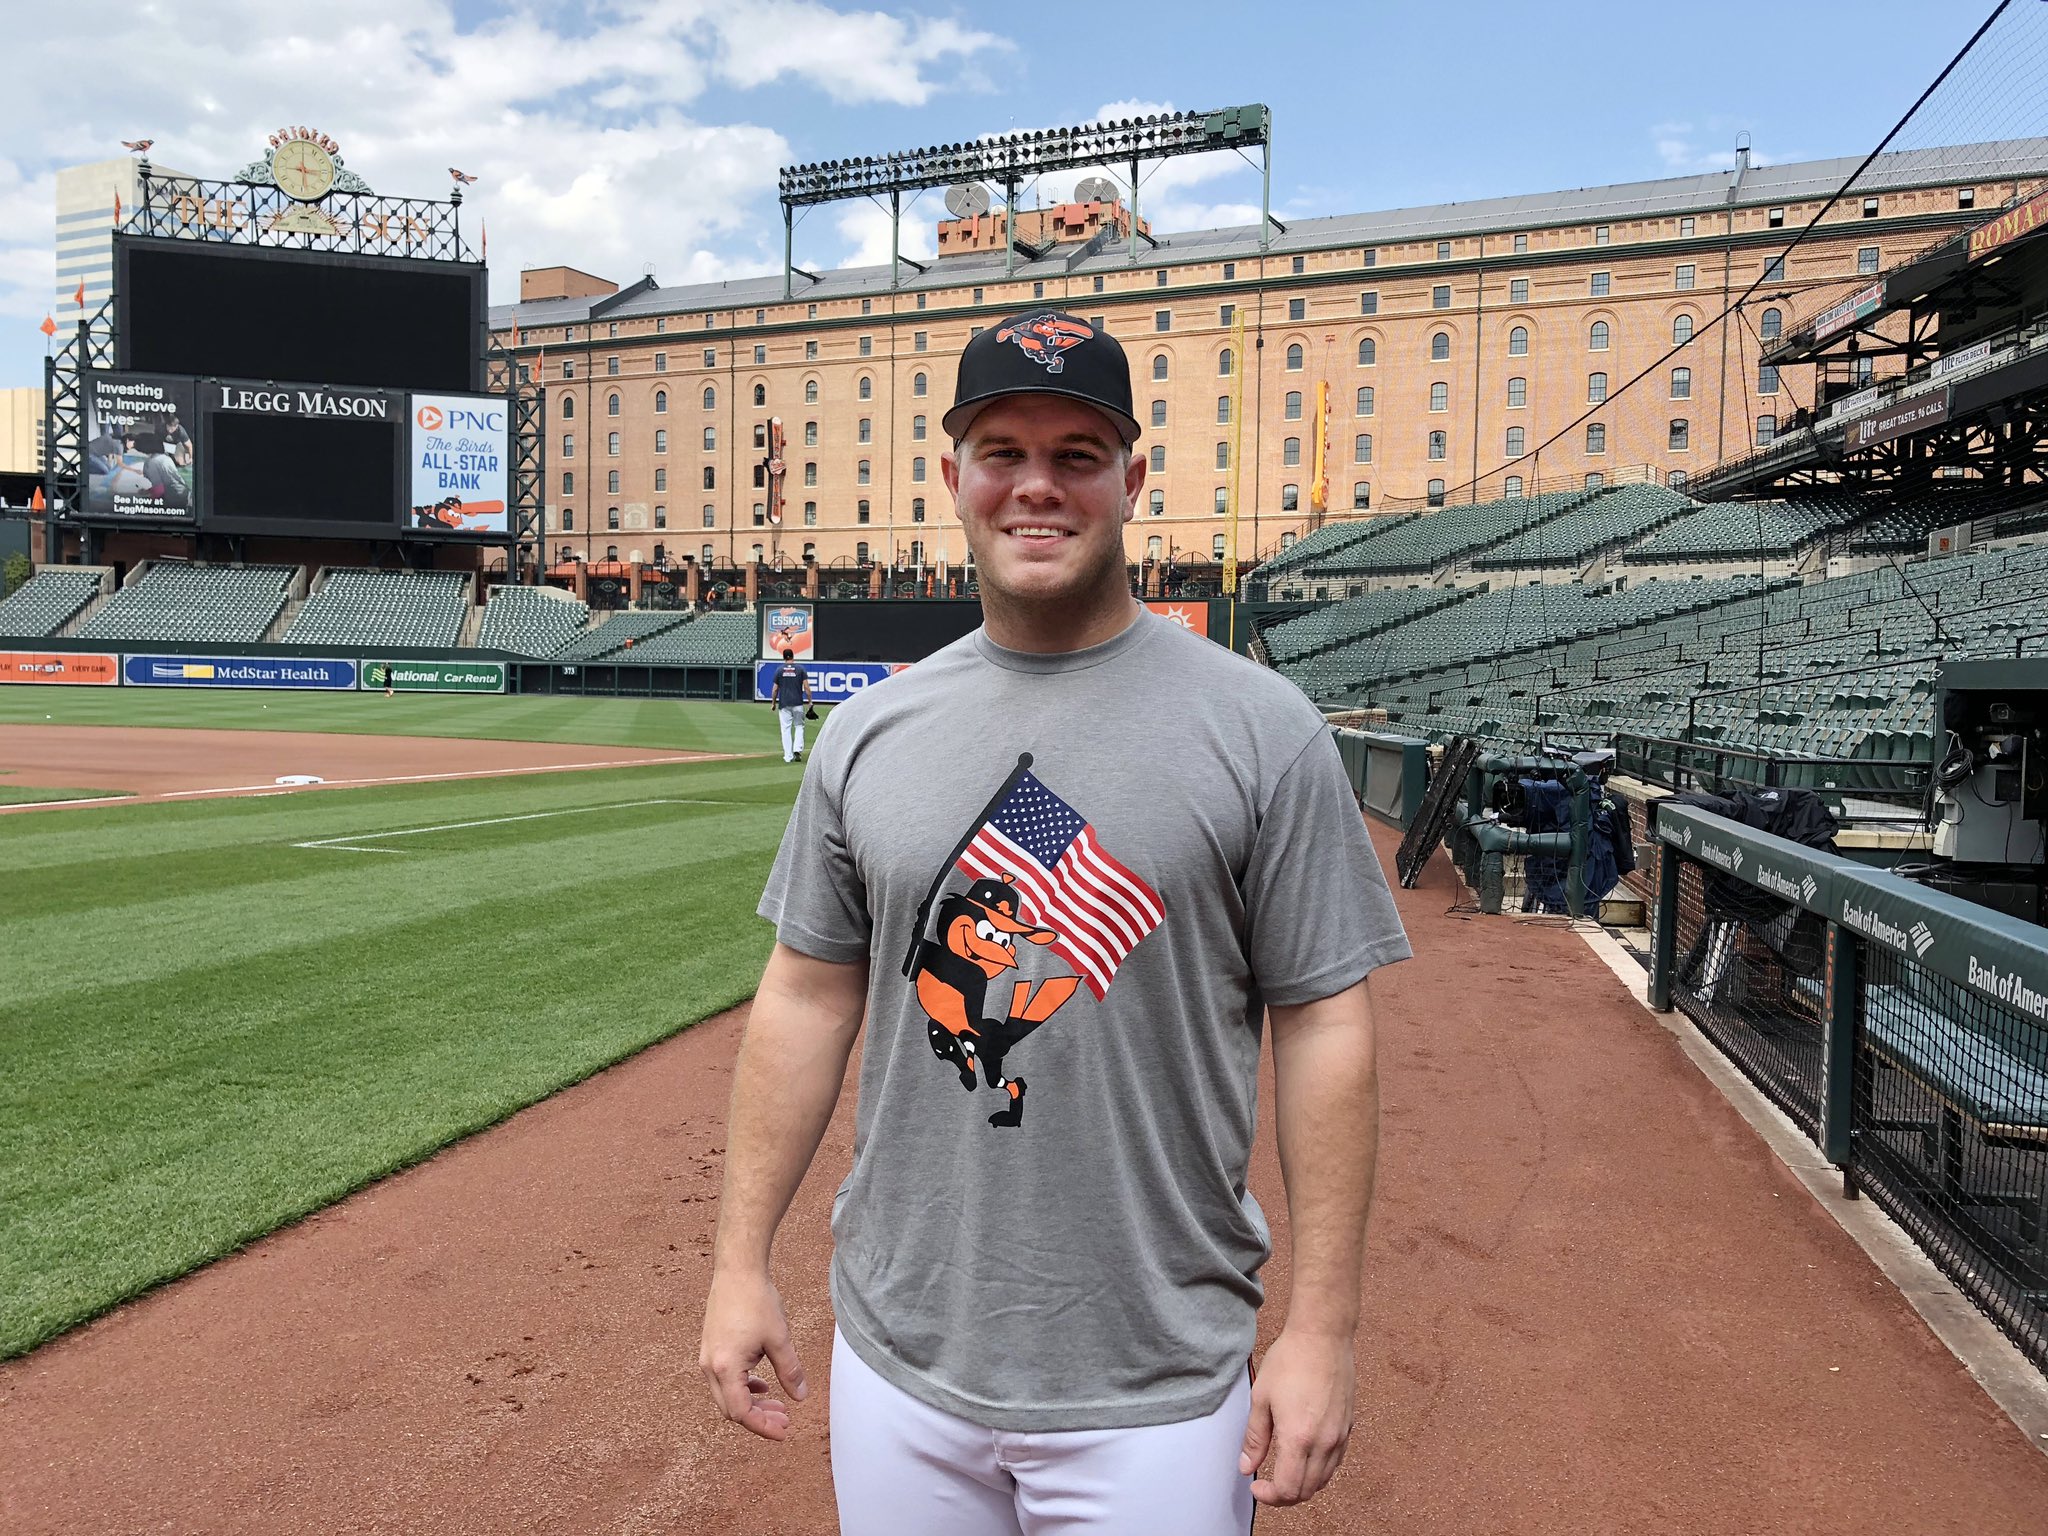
[842,682]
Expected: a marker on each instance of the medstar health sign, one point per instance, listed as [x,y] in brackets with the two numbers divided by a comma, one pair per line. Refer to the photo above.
[458,448]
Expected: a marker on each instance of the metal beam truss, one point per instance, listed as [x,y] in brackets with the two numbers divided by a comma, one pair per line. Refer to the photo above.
[1011,159]
[529,458]
[89,346]
[2006,445]
[247,213]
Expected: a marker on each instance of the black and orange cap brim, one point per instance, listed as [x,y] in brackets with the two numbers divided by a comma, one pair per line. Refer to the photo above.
[957,420]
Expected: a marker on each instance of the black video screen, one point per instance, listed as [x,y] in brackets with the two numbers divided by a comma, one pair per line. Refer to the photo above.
[272,470]
[859,631]
[218,311]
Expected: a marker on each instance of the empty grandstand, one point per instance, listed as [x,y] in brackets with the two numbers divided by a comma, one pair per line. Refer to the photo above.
[711,639]
[172,603]
[48,600]
[1342,560]
[1841,668]
[531,621]
[384,608]
[1354,618]
[1493,625]
[620,633]
[1606,522]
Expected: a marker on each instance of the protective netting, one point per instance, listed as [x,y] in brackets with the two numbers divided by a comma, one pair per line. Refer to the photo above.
[1747,970]
[1951,1133]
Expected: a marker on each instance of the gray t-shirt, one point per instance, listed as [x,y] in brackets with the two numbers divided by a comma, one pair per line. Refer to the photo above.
[1142,845]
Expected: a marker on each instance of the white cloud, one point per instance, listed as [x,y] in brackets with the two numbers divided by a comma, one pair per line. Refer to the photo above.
[864,227]
[1683,148]
[859,56]
[580,130]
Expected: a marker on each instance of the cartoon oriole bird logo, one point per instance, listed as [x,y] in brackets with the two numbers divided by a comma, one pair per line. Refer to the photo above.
[977,938]
[1036,872]
[1047,339]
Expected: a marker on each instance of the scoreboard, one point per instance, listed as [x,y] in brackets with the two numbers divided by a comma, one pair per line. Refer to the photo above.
[298,393]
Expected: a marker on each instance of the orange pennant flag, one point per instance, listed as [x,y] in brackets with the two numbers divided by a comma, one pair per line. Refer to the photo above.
[486,229]
[78,298]
[117,208]
[48,327]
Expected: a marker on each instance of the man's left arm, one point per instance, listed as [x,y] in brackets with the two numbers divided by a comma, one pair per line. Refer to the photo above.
[1326,1113]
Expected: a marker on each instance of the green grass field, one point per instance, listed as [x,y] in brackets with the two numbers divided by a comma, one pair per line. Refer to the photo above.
[32,794]
[210,1031]
[691,727]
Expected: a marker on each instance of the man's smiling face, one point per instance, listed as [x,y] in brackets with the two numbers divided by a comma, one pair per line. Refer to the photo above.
[1043,486]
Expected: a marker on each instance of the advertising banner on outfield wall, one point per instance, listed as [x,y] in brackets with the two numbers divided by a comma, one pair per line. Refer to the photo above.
[833,683]
[139,458]
[435,676]
[457,447]
[786,626]
[60,667]
[1193,614]
[236,672]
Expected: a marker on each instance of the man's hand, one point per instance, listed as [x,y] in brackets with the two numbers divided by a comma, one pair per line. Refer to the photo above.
[744,1323]
[1301,1414]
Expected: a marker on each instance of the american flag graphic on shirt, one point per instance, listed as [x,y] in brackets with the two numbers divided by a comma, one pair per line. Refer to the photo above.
[1067,881]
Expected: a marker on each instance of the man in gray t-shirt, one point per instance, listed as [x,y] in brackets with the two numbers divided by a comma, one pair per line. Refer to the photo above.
[1066,869]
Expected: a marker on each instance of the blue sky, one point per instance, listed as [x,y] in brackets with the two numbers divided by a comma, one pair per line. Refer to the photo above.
[647,133]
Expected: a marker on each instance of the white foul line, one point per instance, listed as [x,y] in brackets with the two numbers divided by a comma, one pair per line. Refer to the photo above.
[472,773]
[348,842]
[51,805]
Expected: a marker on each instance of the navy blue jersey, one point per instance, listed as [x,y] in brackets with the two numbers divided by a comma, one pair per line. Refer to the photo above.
[789,686]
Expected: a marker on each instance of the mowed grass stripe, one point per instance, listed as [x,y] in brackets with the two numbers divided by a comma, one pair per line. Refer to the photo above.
[271,1027]
[189,851]
[692,726]
[36,794]
[110,834]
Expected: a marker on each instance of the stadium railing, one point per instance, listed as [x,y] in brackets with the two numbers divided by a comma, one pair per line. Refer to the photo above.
[1388,773]
[1903,1029]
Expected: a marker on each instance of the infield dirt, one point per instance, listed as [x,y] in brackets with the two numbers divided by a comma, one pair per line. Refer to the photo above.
[1595,1303]
[151,763]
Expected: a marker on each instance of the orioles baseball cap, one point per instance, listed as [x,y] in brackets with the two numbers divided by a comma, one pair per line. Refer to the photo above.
[1043,352]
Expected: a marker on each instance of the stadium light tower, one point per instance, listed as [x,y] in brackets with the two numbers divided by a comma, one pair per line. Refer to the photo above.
[1010,159]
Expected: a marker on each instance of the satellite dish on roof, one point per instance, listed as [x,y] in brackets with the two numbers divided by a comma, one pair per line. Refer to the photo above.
[967,200]
[1095,189]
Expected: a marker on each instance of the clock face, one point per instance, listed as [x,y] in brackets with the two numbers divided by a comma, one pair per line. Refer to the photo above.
[303,170]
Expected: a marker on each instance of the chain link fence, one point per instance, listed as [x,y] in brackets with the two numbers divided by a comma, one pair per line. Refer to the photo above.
[1904,1030]
[1748,972]
[1950,1133]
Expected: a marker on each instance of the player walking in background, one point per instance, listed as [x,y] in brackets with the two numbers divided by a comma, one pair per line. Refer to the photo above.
[790,697]
[1086,848]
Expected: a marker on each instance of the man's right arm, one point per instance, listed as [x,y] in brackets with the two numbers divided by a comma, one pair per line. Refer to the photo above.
[800,1033]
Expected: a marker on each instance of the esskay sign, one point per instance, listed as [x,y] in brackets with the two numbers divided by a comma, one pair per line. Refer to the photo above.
[435,676]
[304,400]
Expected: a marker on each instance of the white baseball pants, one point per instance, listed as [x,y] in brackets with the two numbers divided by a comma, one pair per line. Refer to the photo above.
[903,1468]
[792,717]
